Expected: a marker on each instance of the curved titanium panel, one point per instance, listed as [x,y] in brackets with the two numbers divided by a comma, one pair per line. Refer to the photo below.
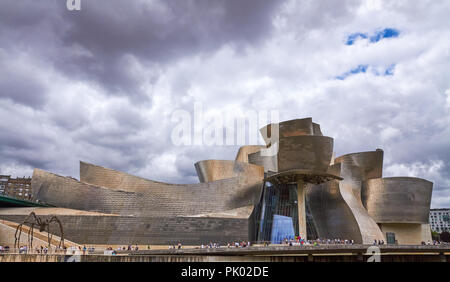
[338,212]
[112,179]
[156,199]
[363,165]
[305,152]
[212,170]
[269,163]
[244,151]
[316,128]
[330,213]
[357,167]
[398,199]
[295,127]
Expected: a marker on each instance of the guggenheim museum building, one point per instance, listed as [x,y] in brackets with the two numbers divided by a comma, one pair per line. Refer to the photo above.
[292,186]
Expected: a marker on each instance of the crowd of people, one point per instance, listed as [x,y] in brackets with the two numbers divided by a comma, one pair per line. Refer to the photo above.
[236,244]
[431,243]
[4,249]
[177,246]
[296,241]
[24,249]
[126,248]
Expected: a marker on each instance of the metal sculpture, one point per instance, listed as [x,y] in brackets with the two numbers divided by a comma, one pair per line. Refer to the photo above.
[44,225]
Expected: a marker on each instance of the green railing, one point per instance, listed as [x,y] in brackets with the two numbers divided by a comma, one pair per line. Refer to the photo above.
[6,201]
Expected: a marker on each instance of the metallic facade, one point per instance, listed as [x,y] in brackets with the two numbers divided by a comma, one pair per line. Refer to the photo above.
[397,199]
[212,170]
[300,190]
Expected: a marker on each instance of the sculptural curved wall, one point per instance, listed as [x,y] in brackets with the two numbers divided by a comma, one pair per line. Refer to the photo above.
[338,214]
[295,127]
[268,162]
[354,168]
[244,151]
[139,211]
[113,179]
[331,215]
[398,199]
[316,129]
[212,170]
[157,199]
[363,165]
[305,152]
[358,167]
[301,145]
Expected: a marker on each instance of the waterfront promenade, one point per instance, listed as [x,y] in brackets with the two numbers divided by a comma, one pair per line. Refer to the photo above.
[273,253]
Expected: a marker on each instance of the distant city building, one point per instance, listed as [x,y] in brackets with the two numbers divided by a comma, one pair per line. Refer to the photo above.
[3,183]
[440,220]
[19,188]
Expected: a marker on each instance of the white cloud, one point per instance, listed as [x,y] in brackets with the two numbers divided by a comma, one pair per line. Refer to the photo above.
[291,68]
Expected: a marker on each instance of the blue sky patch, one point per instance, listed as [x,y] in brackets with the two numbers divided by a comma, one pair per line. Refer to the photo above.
[385,33]
[389,70]
[377,36]
[358,69]
[354,36]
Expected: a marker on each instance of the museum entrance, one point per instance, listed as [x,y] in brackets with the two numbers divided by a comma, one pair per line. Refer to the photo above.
[277,214]
[278,217]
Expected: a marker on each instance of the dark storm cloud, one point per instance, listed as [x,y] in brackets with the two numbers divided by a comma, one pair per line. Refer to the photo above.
[112,29]
[21,88]
[97,43]
[101,45]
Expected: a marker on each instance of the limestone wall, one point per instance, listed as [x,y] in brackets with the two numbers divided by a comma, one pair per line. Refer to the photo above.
[408,233]
[124,230]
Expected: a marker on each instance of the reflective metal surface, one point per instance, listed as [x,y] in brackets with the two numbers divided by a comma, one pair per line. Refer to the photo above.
[244,151]
[295,127]
[146,197]
[398,199]
[305,152]
[212,170]
[336,206]
[357,167]
[269,163]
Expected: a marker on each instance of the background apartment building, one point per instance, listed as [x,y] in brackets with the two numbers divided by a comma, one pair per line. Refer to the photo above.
[440,220]
[19,187]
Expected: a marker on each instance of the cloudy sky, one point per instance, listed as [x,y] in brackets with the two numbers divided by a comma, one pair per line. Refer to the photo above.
[102,84]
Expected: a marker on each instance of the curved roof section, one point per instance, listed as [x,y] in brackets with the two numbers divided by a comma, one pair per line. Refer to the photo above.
[295,127]
[362,165]
[155,199]
[114,179]
[244,151]
[212,170]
